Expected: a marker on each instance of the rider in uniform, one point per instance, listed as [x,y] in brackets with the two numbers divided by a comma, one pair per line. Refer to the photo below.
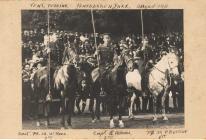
[105,55]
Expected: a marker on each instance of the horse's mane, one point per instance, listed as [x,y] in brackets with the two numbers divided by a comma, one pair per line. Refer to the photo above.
[61,76]
[72,51]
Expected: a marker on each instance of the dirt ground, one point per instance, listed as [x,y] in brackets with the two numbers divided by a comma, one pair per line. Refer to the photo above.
[84,121]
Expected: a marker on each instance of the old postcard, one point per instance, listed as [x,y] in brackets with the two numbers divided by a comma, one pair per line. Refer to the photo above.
[102,69]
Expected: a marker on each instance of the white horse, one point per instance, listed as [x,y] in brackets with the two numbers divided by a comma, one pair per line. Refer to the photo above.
[159,80]
[133,80]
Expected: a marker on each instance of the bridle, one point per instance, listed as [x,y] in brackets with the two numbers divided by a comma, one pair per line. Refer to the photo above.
[158,69]
[170,68]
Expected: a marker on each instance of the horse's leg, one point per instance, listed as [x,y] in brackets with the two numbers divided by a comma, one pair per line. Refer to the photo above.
[70,105]
[37,110]
[78,99]
[46,111]
[62,108]
[154,108]
[121,109]
[103,107]
[98,101]
[46,107]
[128,105]
[144,103]
[163,105]
[175,101]
[140,104]
[111,112]
[132,104]
[91,106]
[84,100]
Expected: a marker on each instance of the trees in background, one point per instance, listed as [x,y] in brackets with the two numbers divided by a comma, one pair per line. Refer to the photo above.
[114,21]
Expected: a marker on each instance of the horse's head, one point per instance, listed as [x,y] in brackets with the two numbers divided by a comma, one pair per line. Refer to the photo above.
[173,62]
[130,64]
[130,61]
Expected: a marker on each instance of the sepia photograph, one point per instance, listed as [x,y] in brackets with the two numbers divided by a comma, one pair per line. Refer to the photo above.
[102,69]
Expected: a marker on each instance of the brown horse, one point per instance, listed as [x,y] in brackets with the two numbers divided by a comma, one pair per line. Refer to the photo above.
[42,92]
[114,90]
[86,65]
[65,82]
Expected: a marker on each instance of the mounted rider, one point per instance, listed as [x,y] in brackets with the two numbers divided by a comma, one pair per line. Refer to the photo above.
[148,61]
[105,55]
[145,47]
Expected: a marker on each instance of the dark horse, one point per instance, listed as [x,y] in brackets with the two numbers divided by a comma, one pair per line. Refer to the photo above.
[66,83]
[42,92]
[115,91]
[85,84]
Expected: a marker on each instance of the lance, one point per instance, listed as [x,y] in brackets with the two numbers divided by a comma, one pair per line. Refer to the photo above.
[142,24]
[94,31]
[48,46]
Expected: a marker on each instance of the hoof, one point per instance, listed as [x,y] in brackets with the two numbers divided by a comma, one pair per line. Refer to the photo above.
[94,120]
[154,119]
[38,124]
[165,118]
[121,124]
[98,120]
[112,124]
[69,127]
[131,117]
[46,123]
[63,128]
